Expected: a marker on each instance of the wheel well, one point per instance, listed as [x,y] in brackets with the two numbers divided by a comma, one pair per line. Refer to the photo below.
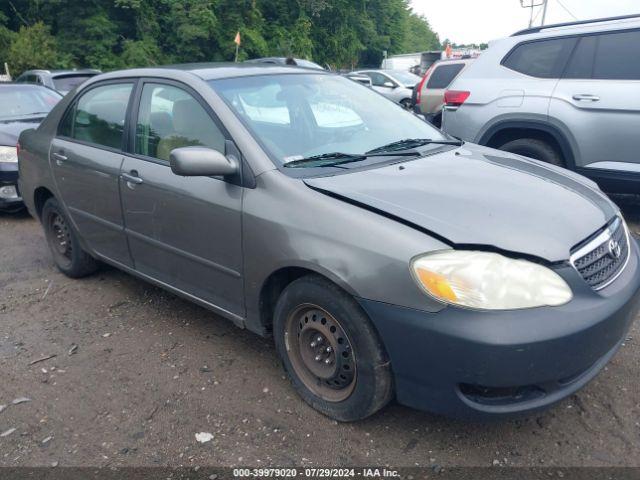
[273,287]
[507,134]
[40,196]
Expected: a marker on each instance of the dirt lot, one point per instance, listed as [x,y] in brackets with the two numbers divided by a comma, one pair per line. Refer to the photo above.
[151,370]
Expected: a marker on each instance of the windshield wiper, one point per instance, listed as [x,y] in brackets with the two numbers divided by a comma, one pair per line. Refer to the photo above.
[326,159]
[339,158]
[409,143]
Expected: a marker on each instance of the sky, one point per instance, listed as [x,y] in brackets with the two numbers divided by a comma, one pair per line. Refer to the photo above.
[477,21]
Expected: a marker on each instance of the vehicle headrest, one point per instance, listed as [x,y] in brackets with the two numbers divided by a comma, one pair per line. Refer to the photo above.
[189,116]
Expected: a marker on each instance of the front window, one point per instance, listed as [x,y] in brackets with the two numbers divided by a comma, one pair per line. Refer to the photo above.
[19,102]
[407,79]
[169,117]
[297,116]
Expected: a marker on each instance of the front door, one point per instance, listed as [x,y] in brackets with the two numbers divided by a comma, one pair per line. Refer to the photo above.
[86,157]
[182,231]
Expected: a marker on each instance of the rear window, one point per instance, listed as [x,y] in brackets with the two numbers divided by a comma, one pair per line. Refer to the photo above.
[443,75]
[68,83]
[542,59]
[99,116]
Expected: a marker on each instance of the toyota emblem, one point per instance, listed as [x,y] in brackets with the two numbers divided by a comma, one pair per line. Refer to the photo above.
[614,249]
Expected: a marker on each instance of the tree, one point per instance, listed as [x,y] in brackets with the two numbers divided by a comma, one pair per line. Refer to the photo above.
[110,34]
[33,47]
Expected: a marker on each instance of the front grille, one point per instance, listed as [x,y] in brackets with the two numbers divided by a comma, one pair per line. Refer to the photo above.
[601,259]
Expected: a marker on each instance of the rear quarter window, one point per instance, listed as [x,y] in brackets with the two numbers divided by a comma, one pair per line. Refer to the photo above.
[541,58]
[443,75]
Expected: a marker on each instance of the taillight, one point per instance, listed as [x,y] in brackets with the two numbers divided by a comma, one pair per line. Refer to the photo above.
[422,82]
[455,98]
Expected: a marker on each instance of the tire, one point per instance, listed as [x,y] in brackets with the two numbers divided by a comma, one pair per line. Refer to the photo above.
[536,149]
[353,380]
[63,241]
[437,121]
[407,103]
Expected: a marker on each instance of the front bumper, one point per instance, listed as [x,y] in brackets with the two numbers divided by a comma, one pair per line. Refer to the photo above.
[473,364]
[10,198]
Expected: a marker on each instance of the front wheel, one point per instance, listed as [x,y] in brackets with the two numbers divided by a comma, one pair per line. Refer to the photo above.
[65,247]
[330,350]
[536,149]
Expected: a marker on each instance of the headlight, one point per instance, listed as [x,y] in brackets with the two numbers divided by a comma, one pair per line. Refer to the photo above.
[488,281]
[9,154]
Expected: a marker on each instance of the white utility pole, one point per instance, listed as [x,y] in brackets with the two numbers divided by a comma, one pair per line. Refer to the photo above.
[544,11]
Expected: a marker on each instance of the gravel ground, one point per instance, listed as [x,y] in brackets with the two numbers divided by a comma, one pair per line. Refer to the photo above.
[138,372]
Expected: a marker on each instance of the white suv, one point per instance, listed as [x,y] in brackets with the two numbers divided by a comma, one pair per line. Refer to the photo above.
[567,94]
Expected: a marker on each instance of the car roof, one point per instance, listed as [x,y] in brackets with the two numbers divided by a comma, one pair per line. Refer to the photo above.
[572,28]
[55,73]
[214,71]
[28,86]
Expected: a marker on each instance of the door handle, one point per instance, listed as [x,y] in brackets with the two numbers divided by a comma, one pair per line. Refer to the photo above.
[586,97]
[60,158]
[132,177]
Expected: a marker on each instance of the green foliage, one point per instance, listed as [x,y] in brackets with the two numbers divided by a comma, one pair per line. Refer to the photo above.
[111,34]
[33,47]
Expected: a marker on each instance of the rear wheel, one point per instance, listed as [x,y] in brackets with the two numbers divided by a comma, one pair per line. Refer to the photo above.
[330,350]
[68,255]
[536,149]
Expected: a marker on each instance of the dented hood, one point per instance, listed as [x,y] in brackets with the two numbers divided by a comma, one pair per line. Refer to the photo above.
[475,196]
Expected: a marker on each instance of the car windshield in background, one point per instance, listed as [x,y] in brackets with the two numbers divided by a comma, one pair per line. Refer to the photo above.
[308,64]
[20,101]
[406,78]
[297,116]
[69,82]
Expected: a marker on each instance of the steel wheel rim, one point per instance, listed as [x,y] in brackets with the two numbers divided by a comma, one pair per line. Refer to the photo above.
[321,353]
[60,239]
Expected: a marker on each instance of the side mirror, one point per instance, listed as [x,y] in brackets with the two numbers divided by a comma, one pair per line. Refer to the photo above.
[201,162]
[389,84]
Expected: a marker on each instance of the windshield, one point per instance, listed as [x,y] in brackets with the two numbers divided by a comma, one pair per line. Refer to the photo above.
[297,116]
[405,78]
[20,101]
[67,83]
[307,64]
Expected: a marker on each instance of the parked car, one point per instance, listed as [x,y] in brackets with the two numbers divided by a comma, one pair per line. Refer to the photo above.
[397,85]
[383,256]
[23,107]
[300,62]
[566,94]
[428,96]
[62,81]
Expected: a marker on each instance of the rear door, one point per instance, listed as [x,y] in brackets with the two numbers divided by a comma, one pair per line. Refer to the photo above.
[86,156]
[183,231]
[598,98]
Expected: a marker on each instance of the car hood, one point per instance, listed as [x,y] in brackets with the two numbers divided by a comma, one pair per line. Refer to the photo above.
[10,129]
[475,196]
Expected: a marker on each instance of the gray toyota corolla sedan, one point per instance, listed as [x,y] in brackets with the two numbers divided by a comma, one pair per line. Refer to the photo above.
[385,258]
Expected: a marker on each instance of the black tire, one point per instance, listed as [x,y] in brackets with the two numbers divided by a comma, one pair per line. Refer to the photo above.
[536,149]
[407,103]
[437,121]
[63,241]
[361,365]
